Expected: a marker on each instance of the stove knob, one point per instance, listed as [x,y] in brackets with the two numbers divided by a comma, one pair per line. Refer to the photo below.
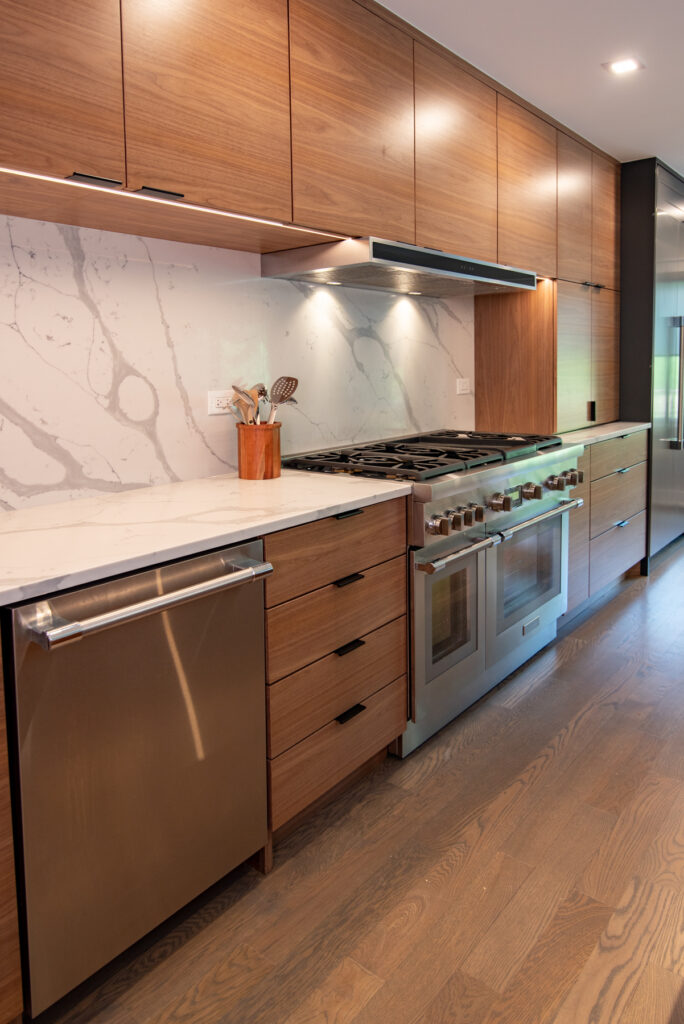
[478,512]
[455,518]
[438,524]
[555,483]
[468,515]
[532,492]
[500,503]
[572,477]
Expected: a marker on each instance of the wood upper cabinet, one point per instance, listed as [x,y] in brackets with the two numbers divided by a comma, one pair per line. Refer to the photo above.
[456,188]
[605,354]
[527,189]
[515,361]
[574,356]
[352,120]
[605,251]
[574,209]
[542,358]
[588,215]
[60,82]
[207,102]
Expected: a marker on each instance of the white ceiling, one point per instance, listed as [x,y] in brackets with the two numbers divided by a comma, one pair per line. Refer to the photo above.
[551,54]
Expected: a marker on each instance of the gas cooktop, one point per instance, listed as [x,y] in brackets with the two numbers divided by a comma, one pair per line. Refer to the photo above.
[422,456]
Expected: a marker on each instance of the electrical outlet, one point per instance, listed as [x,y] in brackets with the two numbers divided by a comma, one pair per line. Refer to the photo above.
[462,386]
[218,402]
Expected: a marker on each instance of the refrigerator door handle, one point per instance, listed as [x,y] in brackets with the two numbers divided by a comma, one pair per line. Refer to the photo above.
[678,443]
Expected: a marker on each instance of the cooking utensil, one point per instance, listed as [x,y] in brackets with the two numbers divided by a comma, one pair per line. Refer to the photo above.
[282,389]
[245,396]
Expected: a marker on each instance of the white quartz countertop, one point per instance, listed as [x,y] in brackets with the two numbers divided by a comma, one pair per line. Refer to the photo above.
[603,432]
[52,547]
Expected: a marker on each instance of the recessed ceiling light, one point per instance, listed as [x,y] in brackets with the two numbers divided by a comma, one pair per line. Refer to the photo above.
[623,66]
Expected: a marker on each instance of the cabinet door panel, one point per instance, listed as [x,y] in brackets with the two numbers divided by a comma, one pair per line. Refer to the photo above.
[527,189]
[352,120]
[605,267]
[574,209]
[573,368]
[455,159]
[207,102]
[605,356]
[60,82]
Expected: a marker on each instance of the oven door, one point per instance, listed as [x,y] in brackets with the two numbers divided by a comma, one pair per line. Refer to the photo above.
[448,635]
[527,582]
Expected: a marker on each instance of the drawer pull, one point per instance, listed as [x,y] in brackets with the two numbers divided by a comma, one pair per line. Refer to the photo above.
[346,580]
[346,716]
[92,179]
[350,512]
[353,645]
[626,469]
[159,193]
[625,522]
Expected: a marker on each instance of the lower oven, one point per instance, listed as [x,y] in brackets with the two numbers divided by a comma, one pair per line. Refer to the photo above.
[480,608]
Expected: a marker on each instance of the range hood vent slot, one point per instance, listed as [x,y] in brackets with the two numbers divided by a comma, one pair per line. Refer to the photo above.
[395,267]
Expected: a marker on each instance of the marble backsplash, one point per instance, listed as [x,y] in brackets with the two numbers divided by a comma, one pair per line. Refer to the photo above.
[109,344]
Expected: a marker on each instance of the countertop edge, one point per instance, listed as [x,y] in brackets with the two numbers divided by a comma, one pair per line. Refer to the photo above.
[34,585]
[603,432]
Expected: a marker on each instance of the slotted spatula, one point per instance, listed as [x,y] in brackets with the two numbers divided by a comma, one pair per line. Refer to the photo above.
[282,389]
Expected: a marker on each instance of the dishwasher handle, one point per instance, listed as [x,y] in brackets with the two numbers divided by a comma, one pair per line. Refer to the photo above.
[56,630]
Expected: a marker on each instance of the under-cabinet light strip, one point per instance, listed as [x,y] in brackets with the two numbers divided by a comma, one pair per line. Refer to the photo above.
[170,202]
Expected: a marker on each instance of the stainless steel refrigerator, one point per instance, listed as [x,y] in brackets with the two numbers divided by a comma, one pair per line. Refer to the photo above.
[652,333]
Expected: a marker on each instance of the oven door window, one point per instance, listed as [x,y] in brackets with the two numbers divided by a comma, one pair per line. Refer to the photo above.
[451,617]
[528,572]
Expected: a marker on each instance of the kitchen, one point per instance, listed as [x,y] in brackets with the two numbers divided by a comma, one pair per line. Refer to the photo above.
[143,327]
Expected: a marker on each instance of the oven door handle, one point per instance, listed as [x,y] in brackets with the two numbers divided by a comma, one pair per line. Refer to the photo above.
[472,549]
[564,506]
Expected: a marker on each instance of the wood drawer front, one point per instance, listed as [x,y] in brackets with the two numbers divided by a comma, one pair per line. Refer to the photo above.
[609,456]
[312,767]
[616,551]
[617,497]
[309,699]
[310,556]
[309,627]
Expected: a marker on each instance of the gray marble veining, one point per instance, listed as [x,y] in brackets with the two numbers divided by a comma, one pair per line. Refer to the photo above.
[109,344]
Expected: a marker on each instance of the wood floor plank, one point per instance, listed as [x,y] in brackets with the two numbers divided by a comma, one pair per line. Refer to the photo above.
[658,998]
[504,948]
[610,868]
[642,925]
[552,964]
[339,999]
[462,1000]
[414,983]
[663,860]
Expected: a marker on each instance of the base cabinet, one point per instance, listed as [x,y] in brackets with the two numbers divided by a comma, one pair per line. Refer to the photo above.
[336,640]
[608,535]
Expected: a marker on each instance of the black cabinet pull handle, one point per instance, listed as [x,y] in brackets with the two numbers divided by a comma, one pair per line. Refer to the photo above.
[346,580]
[92,179]
[591,410]
[350,512]
[353,645]
[159,193]
[625,522]
[625,469]
[350,713]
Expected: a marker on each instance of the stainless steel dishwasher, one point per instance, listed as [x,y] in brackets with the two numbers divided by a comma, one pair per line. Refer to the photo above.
[141,750]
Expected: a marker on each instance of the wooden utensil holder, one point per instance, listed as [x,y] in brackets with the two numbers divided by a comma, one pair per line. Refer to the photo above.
[258,451]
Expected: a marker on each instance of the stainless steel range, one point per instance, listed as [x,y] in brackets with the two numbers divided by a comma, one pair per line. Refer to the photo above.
[488,530]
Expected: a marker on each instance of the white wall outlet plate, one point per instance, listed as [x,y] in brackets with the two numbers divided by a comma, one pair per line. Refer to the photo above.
[462,386]
[218,402]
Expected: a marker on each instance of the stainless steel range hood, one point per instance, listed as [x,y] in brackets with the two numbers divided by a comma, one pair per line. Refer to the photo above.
[394,267]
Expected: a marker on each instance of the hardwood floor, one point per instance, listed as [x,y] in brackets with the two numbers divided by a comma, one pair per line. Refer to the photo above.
[525,866]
